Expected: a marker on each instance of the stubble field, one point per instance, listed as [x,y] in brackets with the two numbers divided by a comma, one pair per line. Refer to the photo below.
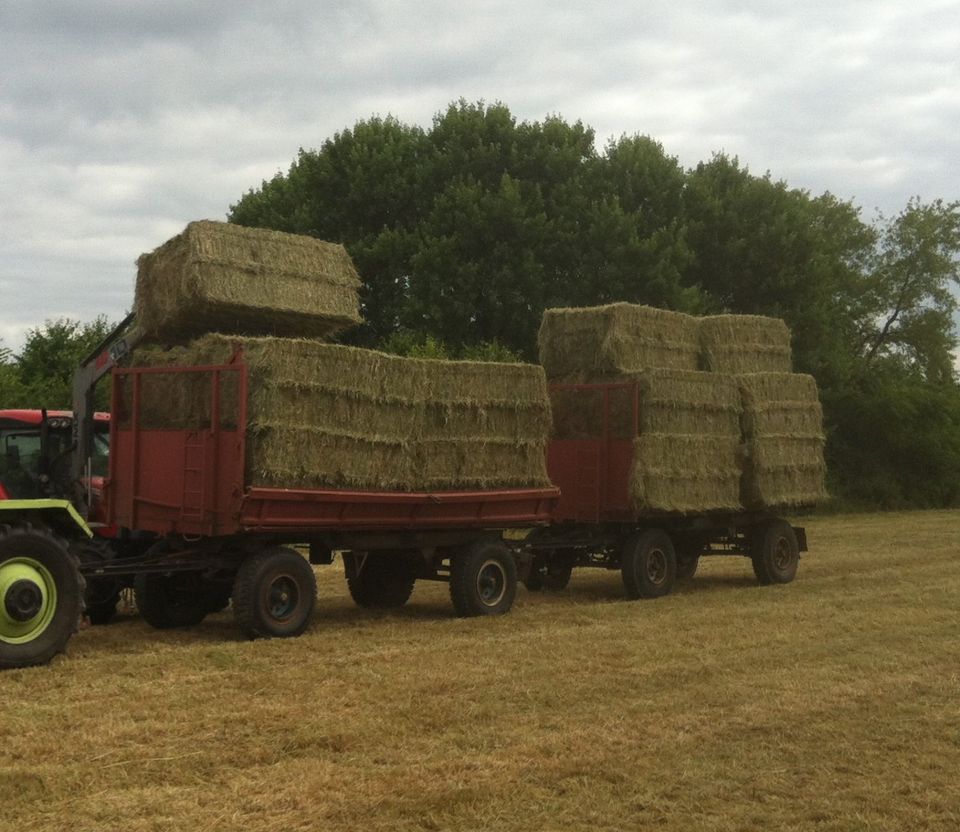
[832,703]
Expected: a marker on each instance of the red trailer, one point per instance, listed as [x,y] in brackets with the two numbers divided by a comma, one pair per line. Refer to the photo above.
[596,524]
[220,537]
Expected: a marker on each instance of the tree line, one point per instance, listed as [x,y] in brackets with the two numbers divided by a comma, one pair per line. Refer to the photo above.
[466,231]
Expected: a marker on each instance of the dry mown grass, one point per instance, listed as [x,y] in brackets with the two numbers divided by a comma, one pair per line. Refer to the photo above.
[829,704]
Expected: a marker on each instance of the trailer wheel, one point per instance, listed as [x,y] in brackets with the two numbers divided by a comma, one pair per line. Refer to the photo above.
[483,579]
[274,594]
[648,564]
[687,567]
[774,552]
[170,601]
[41,592]
[384,580]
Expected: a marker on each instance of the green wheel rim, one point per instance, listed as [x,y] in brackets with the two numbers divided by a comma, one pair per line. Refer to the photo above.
[17,570]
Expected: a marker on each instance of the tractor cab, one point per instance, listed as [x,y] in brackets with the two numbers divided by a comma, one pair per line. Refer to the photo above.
[35,455]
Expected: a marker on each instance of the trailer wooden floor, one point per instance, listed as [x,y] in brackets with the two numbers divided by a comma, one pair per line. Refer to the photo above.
[829,704]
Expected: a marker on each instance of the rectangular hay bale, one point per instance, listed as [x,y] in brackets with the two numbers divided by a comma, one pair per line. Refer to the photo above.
[686,474]
[579,345]
[220,277]
[745,344]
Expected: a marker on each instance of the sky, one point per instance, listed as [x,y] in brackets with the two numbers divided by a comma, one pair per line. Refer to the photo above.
[122,121]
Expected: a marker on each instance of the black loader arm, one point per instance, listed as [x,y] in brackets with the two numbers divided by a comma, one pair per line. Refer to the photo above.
[110,352]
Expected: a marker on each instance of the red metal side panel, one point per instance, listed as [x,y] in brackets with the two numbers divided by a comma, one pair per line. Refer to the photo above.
[274,509]
[188,481]
[593,474]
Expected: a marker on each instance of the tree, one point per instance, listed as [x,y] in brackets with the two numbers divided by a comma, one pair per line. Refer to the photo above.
[466,232]
[909,290]
[50,356]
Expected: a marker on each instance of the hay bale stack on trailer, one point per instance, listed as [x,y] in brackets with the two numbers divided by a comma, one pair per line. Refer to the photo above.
[688,432]
[682,434]
[330,416]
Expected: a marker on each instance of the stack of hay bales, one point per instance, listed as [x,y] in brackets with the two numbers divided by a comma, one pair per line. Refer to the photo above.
[322,415]
[706,439]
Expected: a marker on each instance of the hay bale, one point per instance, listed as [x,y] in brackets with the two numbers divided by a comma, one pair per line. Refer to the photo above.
[783,429]
[222,277]
[330,416]
[745,344]
[579,345]
[686,474]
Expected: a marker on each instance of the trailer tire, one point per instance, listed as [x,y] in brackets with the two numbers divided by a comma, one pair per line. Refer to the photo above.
[648,565]
[274,594]
[483,579]
[385,580]
[168,602]
[774,552]
[41,596]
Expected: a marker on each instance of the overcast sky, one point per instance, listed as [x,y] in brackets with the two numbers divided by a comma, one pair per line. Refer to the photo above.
[121,121]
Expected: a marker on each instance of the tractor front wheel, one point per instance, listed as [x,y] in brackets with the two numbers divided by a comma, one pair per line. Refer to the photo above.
[41,596]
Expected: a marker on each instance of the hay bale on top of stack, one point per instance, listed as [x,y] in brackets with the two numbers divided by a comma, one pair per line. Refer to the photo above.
[218,277]
[323,415]
[691,452]
[686,451]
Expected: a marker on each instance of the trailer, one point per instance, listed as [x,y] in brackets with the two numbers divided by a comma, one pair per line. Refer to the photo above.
[206,536]
[595,522]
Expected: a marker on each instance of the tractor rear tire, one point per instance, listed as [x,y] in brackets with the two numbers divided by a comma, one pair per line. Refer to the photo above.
[41,596]
[274,594]
[171,601]
[483,579]
[774,552]
[648,565]
[385,580]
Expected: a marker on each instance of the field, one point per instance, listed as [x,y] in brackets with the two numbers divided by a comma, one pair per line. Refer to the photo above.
[829,704]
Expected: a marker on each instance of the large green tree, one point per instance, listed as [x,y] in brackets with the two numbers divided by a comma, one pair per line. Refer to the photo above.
[468,230]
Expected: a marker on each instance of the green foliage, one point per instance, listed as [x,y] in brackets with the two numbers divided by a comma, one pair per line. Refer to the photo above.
[41,376]
[412,345]
[894,440]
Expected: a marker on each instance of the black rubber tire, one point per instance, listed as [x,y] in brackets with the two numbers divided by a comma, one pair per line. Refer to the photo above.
[687,567]
[274,594]
[63,569]
[483,579]
[385,581]
[171,601]
[648,565]
[774,552]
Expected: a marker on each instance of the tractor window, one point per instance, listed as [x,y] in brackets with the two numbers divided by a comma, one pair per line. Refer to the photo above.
[20,462]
